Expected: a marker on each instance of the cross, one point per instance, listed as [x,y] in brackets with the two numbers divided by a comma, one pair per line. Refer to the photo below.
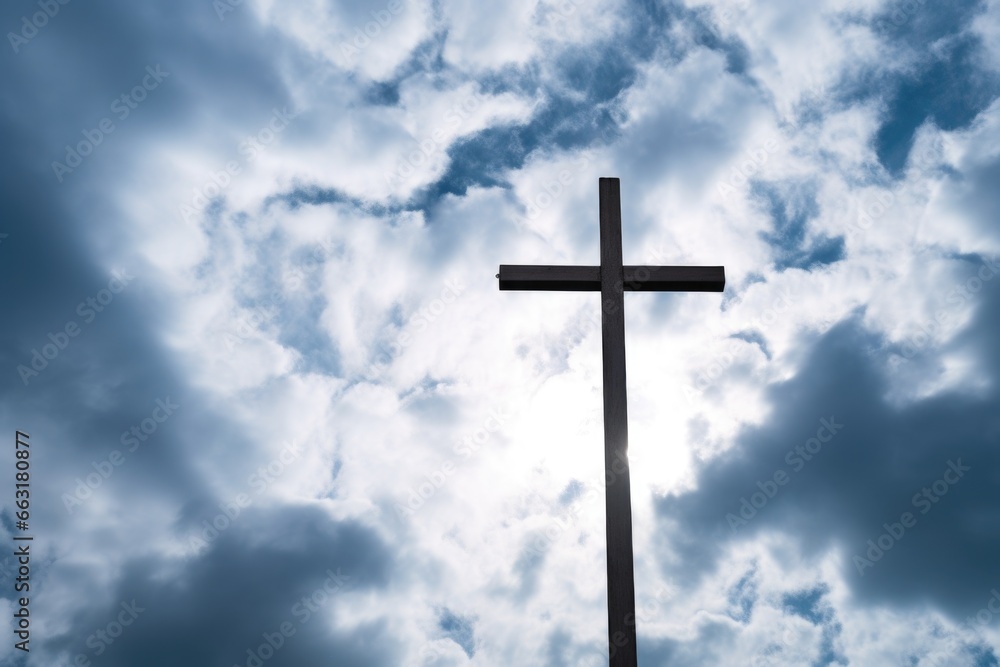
[611,278]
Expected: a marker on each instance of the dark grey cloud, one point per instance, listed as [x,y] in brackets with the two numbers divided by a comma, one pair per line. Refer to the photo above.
[841,494]
[108,377]
[225,77]
[288,566]
[62,83]
[92,54]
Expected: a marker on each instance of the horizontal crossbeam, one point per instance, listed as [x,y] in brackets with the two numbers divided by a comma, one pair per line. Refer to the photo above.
[636,278]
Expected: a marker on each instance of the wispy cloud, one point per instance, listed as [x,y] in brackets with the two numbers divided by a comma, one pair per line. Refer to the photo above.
[280,407]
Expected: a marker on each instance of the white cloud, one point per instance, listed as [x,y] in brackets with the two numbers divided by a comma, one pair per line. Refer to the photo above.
[372,40]
[308,305]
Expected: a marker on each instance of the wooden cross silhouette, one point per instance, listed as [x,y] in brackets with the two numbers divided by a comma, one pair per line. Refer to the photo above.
[612,279]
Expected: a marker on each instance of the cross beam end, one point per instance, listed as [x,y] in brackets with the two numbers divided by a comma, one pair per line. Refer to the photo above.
[550,278]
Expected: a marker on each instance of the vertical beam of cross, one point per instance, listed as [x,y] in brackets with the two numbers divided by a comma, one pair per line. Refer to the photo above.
[618,500]
[611,278]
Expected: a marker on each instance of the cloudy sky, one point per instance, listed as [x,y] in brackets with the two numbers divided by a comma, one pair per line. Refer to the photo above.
[280,414]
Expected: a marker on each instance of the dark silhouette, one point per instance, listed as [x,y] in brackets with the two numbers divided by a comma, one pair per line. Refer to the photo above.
[611,278]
